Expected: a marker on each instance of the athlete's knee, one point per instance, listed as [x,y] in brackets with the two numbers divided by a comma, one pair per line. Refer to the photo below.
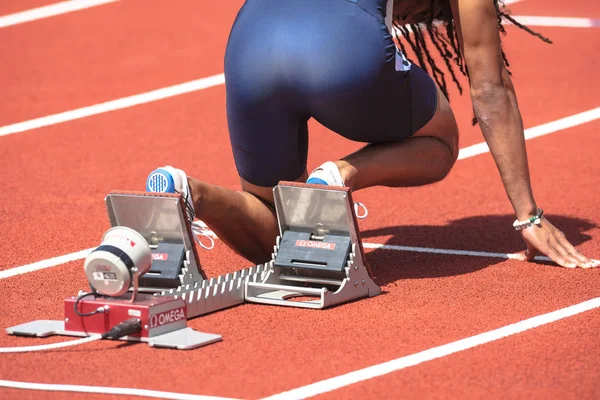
[443,146]
[444,157]
[450,139]
[265,193]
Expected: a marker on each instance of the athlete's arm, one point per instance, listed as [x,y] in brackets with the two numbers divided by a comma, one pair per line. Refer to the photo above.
[495,104]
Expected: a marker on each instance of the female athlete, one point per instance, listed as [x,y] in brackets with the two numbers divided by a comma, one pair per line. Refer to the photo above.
[336,61]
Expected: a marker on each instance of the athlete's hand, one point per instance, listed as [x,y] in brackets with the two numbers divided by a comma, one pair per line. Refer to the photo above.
[545,238]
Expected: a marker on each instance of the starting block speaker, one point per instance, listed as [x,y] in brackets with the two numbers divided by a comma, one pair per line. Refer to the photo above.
[318,254]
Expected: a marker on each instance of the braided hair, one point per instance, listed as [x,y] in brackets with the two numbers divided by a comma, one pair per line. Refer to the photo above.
[437,23]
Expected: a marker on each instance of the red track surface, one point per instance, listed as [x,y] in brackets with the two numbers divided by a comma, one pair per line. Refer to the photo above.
[56,177]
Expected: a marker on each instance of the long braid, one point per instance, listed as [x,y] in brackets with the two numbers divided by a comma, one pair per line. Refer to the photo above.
[442,48]
[406,34]
[436,72]
[447,44]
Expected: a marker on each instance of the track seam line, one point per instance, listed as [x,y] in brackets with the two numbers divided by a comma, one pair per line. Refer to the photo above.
[559,22]
[106,390]
[50,10]
[112,105]
[43,264]
[432,250]
[537,131]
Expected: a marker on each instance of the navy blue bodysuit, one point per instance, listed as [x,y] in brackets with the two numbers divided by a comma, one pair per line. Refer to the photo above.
[332,60]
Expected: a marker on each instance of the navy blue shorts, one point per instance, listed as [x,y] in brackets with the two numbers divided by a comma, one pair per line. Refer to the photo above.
[332,60]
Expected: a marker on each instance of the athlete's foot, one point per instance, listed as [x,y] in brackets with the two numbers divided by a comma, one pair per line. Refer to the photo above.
[329,174]
[172,180]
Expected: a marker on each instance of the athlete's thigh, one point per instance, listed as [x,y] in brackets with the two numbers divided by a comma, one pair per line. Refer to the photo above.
[364,89]
[267,127]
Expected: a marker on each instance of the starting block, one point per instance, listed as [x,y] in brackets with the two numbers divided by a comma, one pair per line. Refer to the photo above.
[161,220]
[318,255]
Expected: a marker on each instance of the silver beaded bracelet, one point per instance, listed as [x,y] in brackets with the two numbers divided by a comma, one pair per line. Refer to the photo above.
[535,220]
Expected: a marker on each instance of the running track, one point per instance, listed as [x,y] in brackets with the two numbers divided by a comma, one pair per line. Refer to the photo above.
[55,178]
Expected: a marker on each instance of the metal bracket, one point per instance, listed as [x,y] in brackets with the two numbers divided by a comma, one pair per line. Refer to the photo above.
[314,212]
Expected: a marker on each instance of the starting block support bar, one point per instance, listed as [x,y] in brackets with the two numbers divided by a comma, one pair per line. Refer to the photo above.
[216,293]
[318,253]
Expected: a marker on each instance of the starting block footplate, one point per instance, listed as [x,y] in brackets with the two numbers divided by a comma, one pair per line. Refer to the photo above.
[318,254]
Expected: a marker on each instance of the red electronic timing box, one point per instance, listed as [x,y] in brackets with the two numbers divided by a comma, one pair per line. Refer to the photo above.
[158,315]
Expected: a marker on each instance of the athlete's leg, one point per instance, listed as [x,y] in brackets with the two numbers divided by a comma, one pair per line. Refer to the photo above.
[424,158]
[268,131]
[394,106]
[244,220]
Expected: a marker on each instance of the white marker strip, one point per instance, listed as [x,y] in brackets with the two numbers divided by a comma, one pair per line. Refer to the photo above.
[541,130]
[51,262]
[437,352]
[562,22]
[49,11]
[125,102]
[106,390]
[430,250]
[446,251]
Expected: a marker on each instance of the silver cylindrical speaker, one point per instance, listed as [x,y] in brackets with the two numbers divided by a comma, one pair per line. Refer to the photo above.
[108,267]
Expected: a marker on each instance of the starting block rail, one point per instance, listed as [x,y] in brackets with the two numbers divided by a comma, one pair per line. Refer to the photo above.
[318,255]
[216,293]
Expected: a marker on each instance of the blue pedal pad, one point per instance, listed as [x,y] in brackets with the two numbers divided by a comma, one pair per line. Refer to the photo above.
[316,181]
[160,181]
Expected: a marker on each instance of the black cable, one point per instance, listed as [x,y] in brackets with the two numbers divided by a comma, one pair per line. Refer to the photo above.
[96,311]
[127,327]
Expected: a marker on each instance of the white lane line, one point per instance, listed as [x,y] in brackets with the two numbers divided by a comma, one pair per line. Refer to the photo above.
[106,390]
[563,22]
[431,250]
[540,130]
[134,100]
[125,102]
[51,262]
[49,11]
[398,364]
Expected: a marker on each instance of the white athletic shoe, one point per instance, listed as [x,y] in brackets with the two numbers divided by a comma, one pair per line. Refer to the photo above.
[329,174]
[172,180]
